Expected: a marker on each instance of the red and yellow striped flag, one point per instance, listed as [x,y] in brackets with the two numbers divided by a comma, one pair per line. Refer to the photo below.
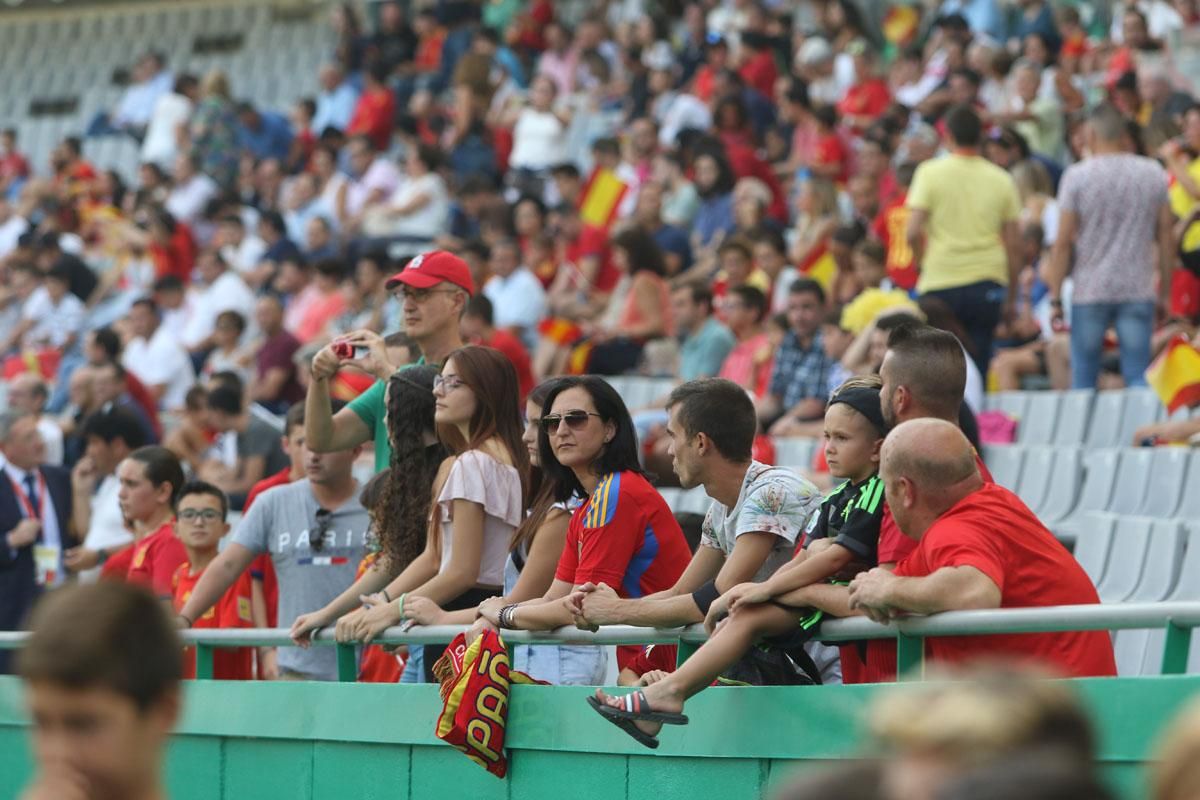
[602,196]
[1175,375]
[900,24]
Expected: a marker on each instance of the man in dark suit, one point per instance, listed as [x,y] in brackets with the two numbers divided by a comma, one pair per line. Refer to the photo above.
[35,520]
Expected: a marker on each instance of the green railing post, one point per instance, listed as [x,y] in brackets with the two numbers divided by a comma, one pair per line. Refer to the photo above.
[347,664]
[1175,649]
[684,651]
[204,662]
[910,657]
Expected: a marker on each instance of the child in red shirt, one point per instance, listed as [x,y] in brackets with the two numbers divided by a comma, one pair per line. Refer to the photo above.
[200,524]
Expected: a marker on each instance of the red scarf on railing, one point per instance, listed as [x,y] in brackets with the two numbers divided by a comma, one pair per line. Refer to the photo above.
[474,685]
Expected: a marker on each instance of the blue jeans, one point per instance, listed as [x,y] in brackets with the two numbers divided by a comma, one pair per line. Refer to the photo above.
[978,307]
[1134,322]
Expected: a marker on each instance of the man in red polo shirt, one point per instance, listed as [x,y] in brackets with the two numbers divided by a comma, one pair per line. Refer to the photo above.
[978,546]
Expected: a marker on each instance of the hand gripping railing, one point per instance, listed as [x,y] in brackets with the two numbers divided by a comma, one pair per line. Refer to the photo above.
[1177,620]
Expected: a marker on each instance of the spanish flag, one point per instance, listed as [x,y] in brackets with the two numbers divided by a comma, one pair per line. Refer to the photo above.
[601,197]
[1175,375]
[900,24]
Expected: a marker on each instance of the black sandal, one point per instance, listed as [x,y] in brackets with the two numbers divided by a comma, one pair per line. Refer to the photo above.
[636,707]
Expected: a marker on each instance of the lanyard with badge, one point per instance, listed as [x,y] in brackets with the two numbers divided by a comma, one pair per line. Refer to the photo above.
[46,557]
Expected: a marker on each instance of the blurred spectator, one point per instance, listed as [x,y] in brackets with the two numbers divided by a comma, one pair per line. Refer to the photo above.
[214,130]
[169,121]
[14,167]
[157,357]
[255,448]
[336,100]
[1113,210]
[517,298]
[28,394]
[373,179]
[220,290]
[263,133]
[704,343]
[52,319]
[799,385]
[966,241]
[148,82]
[413,216]
[374,113]
[479,327]
[191,191]
[750,361]
[274,385]
[111,390]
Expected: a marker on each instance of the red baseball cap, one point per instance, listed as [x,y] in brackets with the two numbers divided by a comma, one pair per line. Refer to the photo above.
[429,269]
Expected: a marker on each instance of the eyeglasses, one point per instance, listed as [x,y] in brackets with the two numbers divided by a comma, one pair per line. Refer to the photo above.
[447,384]
[419,295]
[575,420]
[200,515]
[316,542]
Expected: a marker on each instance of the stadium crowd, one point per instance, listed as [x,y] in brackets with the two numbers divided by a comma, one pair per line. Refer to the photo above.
[813,225]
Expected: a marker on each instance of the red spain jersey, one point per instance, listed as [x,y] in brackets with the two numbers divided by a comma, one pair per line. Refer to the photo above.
[155,560]
[625,536]
[231,611]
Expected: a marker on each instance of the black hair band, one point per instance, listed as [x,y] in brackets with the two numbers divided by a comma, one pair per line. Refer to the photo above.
[865,401]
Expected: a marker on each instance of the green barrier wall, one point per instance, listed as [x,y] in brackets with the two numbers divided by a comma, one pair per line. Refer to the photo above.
[290,741]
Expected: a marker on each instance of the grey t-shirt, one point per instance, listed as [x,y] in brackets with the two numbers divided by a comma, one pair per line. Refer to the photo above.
[260,439]
[772,500]
[282,522]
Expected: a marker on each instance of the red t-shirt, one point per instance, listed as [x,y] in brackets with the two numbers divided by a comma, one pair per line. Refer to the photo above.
[262,568]
[654,656]
[625,536]
[760,72]
[828,150]
[867,99]
[593,241]
[512,348]
[891,228]
[116,566]
[894,547]
[994,532]
[177,256]
[13,166]
[141,395]
[231,611]
[374,115]
[155,560]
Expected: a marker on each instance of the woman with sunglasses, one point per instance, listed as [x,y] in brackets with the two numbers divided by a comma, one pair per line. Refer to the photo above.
[529,572]
[479,500]
[397,502]
[623,534]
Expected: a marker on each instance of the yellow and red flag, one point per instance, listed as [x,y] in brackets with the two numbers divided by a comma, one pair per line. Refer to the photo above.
[601,198]
[900,24]
[474,682]
[1175,375]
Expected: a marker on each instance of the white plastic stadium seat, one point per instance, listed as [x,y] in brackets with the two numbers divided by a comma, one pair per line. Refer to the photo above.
[1100,473]
[1133,476]
[1189,507]
[1004,462]
[1142,407]
[1163,562]
[1104,429]
[1187,590]
[1166,489]
[1041,416]
[1037,471]
[1094,543]
[1126,559]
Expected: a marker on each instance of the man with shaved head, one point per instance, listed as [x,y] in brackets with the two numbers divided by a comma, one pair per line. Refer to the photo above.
[978,546]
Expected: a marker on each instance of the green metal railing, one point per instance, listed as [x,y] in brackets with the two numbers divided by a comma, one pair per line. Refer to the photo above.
[1176,619]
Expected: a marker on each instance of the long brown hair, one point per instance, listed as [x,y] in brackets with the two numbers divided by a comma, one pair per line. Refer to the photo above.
[493,379]
[541,488]
[401,512]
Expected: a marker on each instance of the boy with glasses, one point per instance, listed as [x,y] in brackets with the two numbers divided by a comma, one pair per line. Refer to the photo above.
[200,523]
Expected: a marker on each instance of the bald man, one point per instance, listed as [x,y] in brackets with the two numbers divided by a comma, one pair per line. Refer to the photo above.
[978,547]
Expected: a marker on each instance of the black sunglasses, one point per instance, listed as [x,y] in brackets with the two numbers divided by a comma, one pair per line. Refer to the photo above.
[575,420]
[316,542]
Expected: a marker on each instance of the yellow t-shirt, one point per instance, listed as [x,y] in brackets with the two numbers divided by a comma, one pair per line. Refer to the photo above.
[1182,204]
[968,200]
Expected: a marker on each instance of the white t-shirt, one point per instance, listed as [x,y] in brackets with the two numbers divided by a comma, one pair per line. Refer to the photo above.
[539,141]
[52,435]
[10,232]
[161,360]
[426,222]
[518,301]
[227,293]
[160,145]
[53,323]
[245,255]
[187,200]
[107,527]
[382,175]
[772,500]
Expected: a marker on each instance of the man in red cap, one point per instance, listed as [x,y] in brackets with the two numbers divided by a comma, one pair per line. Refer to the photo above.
[433,288]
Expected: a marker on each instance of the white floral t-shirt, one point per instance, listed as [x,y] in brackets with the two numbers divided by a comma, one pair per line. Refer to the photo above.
[773,500]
